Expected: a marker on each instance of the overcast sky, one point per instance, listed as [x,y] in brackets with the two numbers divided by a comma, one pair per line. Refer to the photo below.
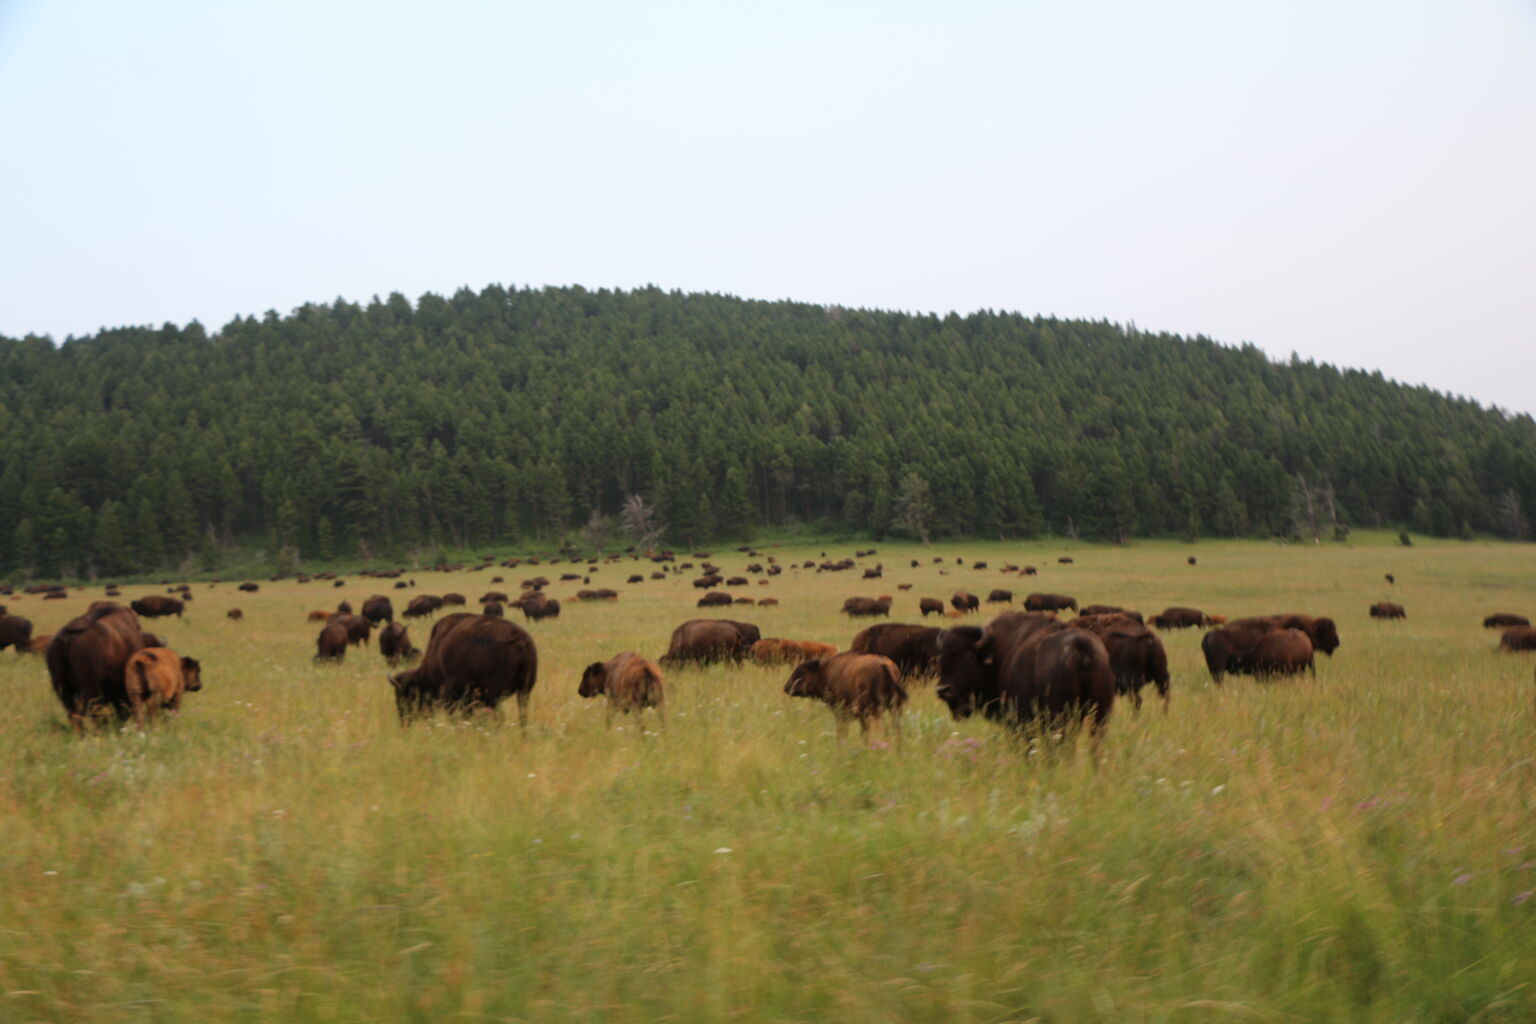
[1352,181]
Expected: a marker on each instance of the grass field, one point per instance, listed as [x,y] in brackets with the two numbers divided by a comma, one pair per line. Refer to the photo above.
[1359,848]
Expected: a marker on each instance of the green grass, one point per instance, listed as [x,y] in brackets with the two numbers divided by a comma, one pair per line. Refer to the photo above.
[1361,847]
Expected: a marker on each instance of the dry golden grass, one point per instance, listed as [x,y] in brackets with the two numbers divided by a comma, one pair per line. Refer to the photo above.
[1361,847]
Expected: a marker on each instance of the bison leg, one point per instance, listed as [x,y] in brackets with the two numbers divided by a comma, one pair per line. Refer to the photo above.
[522,711]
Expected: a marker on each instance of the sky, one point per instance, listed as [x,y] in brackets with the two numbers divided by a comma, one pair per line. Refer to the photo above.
[1354,182]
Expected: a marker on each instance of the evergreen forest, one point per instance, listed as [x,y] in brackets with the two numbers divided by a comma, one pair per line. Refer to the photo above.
[349,431]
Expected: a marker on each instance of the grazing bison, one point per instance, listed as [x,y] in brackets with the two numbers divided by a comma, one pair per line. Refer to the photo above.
[1180,618]
[87,659]
[603,594]
[930,605]
[15,630]
[1135,654]
[456,600]
[538,606]
[422,606]
[630,682]
[1109,609]
[964,601]
[1518,638]
[1503,620]
[493,595]
[1030,570]
[395,643]
[1049,603]
[379,608]
[472,662]
[155,678]
[856,607]
[1064,560]
[913,649]
[495,609]
[1024,674]
[1390,578]
[1000,597]
[1282,652]
[358,627]
[636,578]
[249,588]
[155,606]
[715,599]
[234,614]
[704,641]
[319,615]
[855,686]
[772,650]
[1388,610]
[331,644]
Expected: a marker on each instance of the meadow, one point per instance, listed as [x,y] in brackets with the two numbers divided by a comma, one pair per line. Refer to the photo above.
[1356,847]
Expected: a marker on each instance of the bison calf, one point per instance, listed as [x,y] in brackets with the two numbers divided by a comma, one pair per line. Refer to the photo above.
[630,682]
[855,686]
[155,678]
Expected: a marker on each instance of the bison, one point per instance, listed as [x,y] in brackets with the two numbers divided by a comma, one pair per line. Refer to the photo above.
[249,588]
[1000,597]
[913,649]
[703,641]
[1135,653]
[1282,652]
[15,630]
[630,682]
[964,601]
[856,607]
[87,659]
[855,686]
[155,606]
[472,662]
[930,605]
[1180,618]
[422,606]
[1027,673]
[1518,638]
[379,608]
[155,678]
[1388,610]
[1503,620]
[537,606]
[1049,603]
[234,615]
[331,644]
[358,627]
[395,643]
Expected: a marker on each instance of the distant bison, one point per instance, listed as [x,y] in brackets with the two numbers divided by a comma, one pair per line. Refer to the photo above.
[930,605]
[1049,603]
[1000,597]
[714,599]
[630,682]
[249,588]
[1518,638]
[703,641]
[472,663]
[1503,620]
[1387,610]
[856,607]
[858,687]
[234,614]
[538,606]
[422,606]
[964,601]
[1180,618]
[155,678]
[156,606]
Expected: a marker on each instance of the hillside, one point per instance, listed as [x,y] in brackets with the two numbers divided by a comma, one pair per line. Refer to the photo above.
[519,414]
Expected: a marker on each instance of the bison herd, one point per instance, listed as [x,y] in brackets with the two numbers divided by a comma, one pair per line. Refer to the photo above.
[1025,669]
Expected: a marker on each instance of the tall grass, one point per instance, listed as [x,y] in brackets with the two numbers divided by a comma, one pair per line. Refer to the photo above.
[1358,847]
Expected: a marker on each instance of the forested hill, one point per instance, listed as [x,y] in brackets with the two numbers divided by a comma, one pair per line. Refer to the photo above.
[514,415]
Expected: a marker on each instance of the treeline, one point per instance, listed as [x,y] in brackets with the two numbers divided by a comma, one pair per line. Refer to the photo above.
[525,416]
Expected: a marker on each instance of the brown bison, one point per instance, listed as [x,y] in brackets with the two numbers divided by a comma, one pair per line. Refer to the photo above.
[706,582]
[630,682]
[1388,610]
[1503,620]
[155,606]
[1518,638]
[1049,603]
[768,602]
[395,643]
[930,605]
[602,594]
[538,606]
[1000,597]
[358,627]
[493,595]
[234,614]
[913,649]
[494,608]
[855,686]
[423,606]
[703,641]
[1027,673]
[1135,653]
[87,658]
[319,615]
[331,644]
[772,650]
[454,600]
[472,662]
[963,601]
[1109,609]
[714,599]
[1030,570]
[249,588]
[1323,633]
[15,631]
[1180,618]
[155,678]
[379,608]
[856,607]
[1282,652]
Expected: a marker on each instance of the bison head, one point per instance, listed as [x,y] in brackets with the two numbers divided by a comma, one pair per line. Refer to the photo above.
[593,681]
[191,675]
[412,695]
[806,680]
[962,676]
[1327,636]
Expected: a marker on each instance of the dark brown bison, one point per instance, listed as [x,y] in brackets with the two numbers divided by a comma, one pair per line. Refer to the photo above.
[706,582]
[493,595]
[395,643]
[1110,609]
[1518,638]
[1390,578]
[344,607]
[914,649]
[930,605]
[1024,674]
[379,608]
[1282,652]
[704,641]
[1135,653]
[1180,618]
[1323,633]
[15,630]
[1000,597]
[540,606]
[630,682]
[1230,648]
[155,678]
[859,687]
[495,609]
[472,662]
[359,628]
[331,644]
[1049,603]
[87,658]
[1064,560]
[1388,610]
[454,600]
[601,594]
[249,588]
[856,607]
[234,614]
[963,601]
[874,574]
[1503,620]
[715,599]
[422,606]
[155,606]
